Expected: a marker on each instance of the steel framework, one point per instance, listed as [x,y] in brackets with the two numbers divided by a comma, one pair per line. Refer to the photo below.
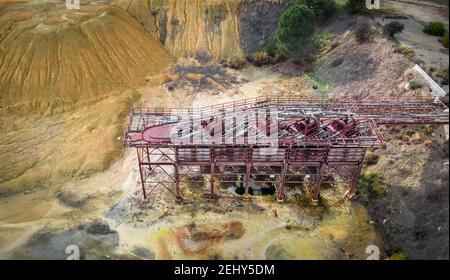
[288,141]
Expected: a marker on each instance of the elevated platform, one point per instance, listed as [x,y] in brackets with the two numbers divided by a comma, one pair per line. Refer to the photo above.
[284,138]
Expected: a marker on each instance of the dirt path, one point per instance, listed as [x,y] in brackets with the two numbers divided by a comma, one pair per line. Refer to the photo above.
[423,11]
[427,48]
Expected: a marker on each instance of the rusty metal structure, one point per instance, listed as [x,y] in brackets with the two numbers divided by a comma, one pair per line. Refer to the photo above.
[284,140]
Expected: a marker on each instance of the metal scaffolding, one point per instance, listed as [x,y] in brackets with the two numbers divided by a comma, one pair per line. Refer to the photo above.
[287,141]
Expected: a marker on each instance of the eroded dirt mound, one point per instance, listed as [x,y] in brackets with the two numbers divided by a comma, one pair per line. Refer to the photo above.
[50,55]
[204,29]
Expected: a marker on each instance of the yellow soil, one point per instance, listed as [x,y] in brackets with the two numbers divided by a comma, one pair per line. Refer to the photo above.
[67,57]
[192,26]
[66,81]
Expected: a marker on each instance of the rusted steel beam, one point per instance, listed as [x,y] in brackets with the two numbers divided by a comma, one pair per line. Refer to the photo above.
[141,173]
[177,177]
[212,180]
[281,194]
[247,180]
[318,181]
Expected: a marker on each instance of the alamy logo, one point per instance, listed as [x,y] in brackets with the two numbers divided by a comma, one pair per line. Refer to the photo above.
[234,126]
[73,4]
[372,4]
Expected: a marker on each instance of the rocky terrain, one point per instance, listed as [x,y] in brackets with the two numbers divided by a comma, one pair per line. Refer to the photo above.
[209,29]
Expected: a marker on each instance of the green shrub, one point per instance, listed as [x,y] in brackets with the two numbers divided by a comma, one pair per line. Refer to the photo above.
[240,190]
[425,129]
[364,32]
[371,158]
[434,29]
[300,200]
[271,48]
[279,56]
[295,29]
[393,28]
[372,184]
[413,85]
[260,58]
[322,8]
[268,191]
[236,62]
[445,41]
[405,51]
[398,256]
[355,6]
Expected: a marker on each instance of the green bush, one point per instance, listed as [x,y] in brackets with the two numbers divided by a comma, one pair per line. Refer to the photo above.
[372,184]
[405,51]
[295,29]
[371,158]
[240,190]
[355,6]
[413,85]
[279,56]
[364,32]
[271,48]
[393,28]
[268,191]
[322,8]
[434,29]
[236,62]
[445,41]
[260,58]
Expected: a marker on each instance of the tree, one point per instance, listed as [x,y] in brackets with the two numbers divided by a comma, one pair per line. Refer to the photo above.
[393,28]
[295,29]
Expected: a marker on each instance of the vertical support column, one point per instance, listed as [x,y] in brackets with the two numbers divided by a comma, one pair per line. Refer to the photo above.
[281,194]
[318,182]
[212,179]
[141,172]
[177,176]
[248,166]
[356,173]
[354,184]
[191,129]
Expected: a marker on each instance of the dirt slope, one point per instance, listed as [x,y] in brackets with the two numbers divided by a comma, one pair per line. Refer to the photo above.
[59,56]
[365,71]
[66,80]
[190,28]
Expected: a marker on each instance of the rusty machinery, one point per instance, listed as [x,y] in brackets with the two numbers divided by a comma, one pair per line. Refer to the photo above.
[314,139]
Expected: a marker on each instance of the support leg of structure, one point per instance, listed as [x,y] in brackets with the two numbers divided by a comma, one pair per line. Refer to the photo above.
[247,181]
[317,183]
[177,184]
[141,174]
[280,194]
[354,184]
[212,194]
[177,178]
